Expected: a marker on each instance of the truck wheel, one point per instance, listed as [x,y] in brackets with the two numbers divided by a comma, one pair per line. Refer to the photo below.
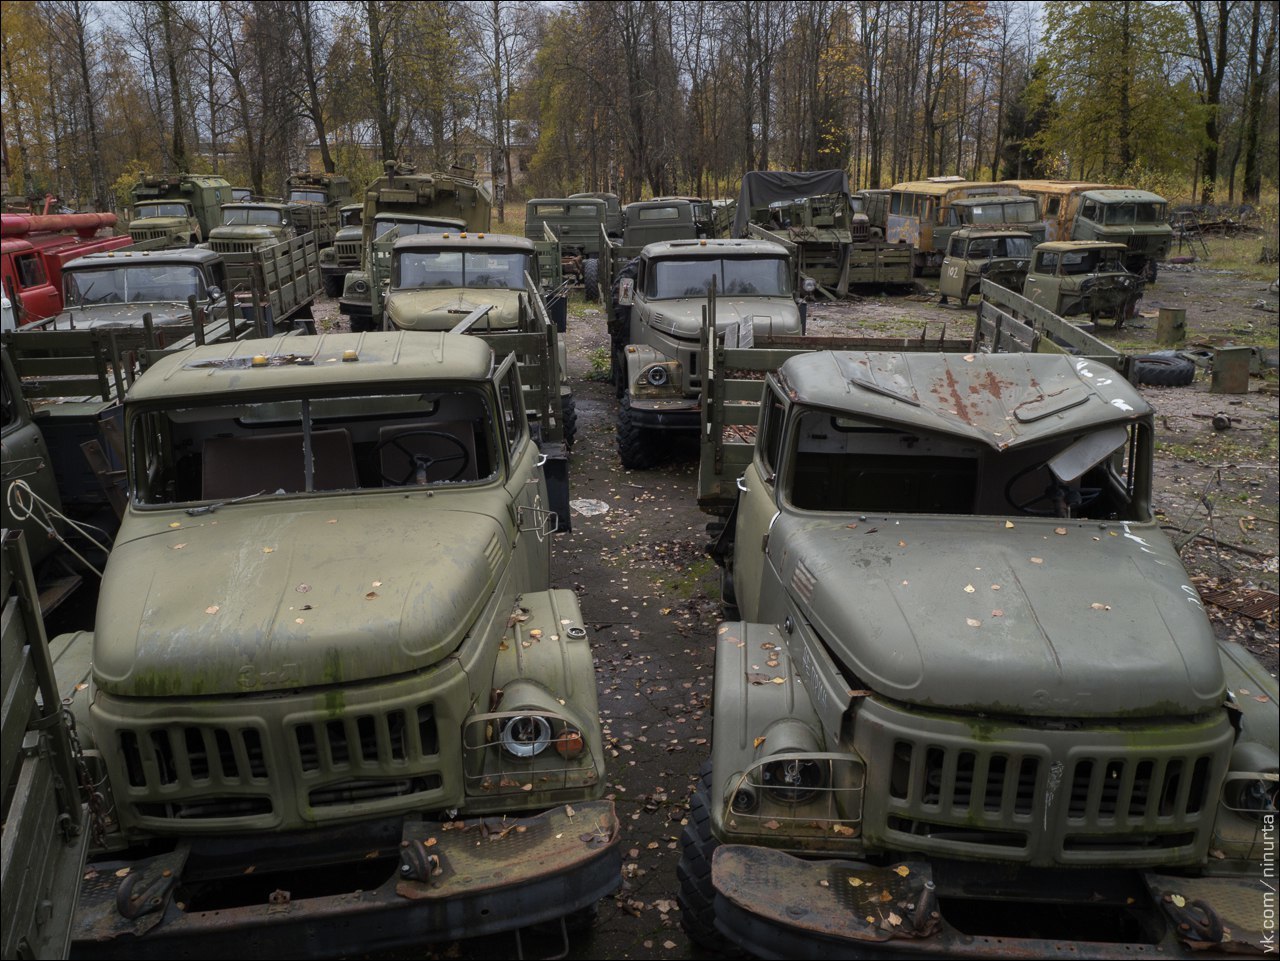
[1149,271]
[634,446]
[332,285]
[591,279]
[697,897]
[1159,370]
[569,418]
[618,373]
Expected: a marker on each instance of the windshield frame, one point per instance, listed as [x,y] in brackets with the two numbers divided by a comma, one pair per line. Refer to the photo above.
[71,282]
[468,261]
[724,288]
[180,209]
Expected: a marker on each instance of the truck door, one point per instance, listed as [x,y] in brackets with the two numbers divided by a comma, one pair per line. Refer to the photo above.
[757,507]
[25,461]
[533,521]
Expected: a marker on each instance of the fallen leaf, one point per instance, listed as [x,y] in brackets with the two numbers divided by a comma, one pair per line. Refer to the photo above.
[824,883]
[175,524]
[250,869]
[973,622]
[843,830]
[302,588]
[371,595]
[1008,524]
[1037,560]
[995,587]
[297,620]
[332,520]
[902,543]
[902,870]
[1100,607]
[212,609]
[123,872]
[1059,530]
[894,919]
[855,882]
[772,825]
[758,741]
[968,588]
[1179,900]
[268,550]
[997,613]
[178,547]
[779,680]
[376,584]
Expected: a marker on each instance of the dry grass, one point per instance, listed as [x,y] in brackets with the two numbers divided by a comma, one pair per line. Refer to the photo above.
[1241,254]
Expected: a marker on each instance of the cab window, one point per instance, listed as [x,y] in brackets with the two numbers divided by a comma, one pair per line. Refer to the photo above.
[31,270]
[511,404]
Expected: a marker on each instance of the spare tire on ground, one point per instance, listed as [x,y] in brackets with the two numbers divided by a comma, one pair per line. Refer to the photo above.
[1163,370]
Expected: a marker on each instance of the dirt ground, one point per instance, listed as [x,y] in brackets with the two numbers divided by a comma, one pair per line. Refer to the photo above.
[650,595]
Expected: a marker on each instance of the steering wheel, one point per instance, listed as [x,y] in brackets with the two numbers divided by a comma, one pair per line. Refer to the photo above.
[419,464]
[1060,499]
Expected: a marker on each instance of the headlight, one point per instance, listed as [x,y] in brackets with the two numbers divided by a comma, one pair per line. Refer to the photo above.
[657,376]
[360,287]
[526,735]
[793,781]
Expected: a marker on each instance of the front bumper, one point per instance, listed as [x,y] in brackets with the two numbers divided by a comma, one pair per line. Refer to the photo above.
[352,890]
[674,414]
[778,906]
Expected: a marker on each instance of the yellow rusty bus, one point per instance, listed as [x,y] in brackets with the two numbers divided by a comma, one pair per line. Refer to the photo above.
[1078,210]
[922,213]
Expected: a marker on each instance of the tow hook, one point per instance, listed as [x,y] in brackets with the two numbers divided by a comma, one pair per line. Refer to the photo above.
[417,863]
[134,904]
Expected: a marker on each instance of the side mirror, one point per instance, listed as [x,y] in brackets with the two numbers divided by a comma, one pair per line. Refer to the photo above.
[626,292]
[215,293]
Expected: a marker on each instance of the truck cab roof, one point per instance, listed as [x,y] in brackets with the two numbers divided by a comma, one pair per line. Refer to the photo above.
[465,241]
[712,248]
[195,256]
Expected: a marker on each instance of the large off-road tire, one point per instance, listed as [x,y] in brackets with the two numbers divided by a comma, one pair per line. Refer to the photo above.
[591,279]
[333,285]
[569,418]
[697,897]
[1160,370]
[635,443]
[1149,271]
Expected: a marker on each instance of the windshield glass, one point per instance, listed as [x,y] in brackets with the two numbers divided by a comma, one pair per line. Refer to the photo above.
[299,196]
[982,247]
[1143,213]
[410,227]
[1089,261]
[160,210]
[241,193]
[992,212]
[738,276]
[241,449]
[251,216]
[353,218]
[134,284]
[498,269]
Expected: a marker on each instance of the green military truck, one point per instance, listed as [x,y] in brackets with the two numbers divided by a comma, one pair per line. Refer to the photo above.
[316,199]
[484,285]
[646,222]
[812,215]
[343,255]
[179,210]
[579,226]
[612,210]
[1070,277]
[655,326]
[409,203]
[247,226]
[975,255]
[46,825]
[1076,210]
[332,703]
[967,700]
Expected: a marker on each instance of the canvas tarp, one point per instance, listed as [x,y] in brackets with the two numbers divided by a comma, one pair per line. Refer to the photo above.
[763,187]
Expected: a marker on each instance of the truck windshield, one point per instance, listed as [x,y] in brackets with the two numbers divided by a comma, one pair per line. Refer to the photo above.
[737,276]
[843,463]
[238,449]
[353,218]
[981,247]
[142,211]
[408,228]
[307,197]
[1090,261]
[251,216]
[499,269]
[136,283]
[1144,213]
[996,212]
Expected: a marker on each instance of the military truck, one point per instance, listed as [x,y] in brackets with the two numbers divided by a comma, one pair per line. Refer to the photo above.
[975,255]
[1015,211]
[484,285]
[248,226]
[810,213]
[343,255]
[45,834]
[241,194]
[579,226]
[923,214]
[179,210]
[380,727]
[1074,210]
[646,222]
[316,199]
[967,700]
[411,203]
[612,210]
[1071,277]
[655,326]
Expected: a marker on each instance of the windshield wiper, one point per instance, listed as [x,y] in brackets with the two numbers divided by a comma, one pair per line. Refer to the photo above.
[210,508]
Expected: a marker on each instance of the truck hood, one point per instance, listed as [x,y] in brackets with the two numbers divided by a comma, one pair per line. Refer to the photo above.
[245,232]
[260,597]
[443,308]
[770,315]
[159,223]
[973,615]
[163,314]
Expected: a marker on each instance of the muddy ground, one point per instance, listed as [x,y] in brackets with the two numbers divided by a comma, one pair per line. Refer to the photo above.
[650,596]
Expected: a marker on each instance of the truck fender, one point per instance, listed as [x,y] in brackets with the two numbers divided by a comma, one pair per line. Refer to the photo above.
[754,702]
[640,356]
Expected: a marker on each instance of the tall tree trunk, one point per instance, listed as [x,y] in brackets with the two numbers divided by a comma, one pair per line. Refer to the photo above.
[1259,82]
[378,69]
[180,159]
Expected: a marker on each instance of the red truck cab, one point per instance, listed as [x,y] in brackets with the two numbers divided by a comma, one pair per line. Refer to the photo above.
[34,249]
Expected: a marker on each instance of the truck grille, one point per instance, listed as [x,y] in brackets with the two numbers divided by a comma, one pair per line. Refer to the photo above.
[234,246]
[277,769]
[140,234]
[1057,796]
[348,252]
